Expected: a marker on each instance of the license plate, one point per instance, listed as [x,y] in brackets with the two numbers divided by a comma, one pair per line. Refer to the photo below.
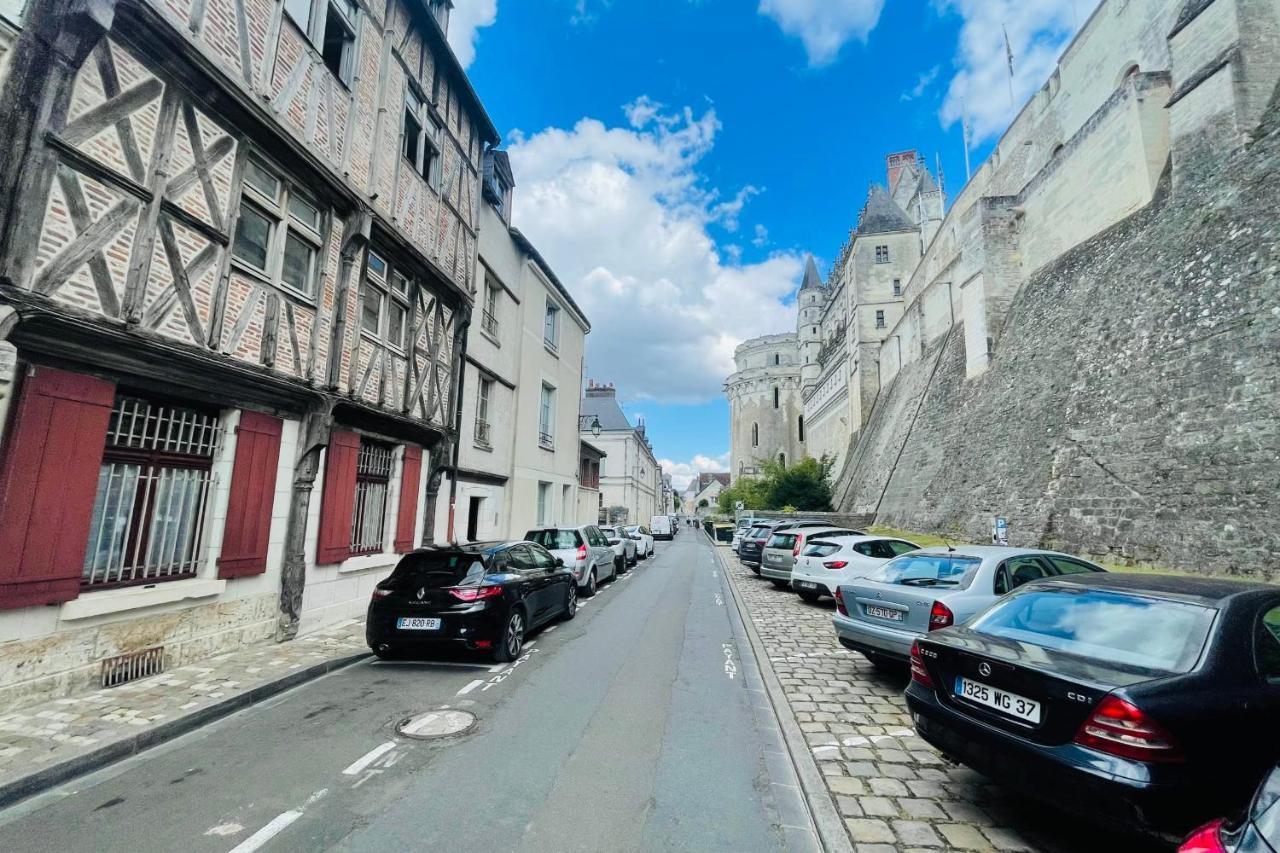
[806,585]
[1007,703]
[884,613]
[406,623]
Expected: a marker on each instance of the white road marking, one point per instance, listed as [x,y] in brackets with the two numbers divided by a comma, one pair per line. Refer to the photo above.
[719,600]
[369,757]
[499,668]
[730,667]
[419,724]
[268,832]
[472,686]
[502,676]
[225,829]
[316,797]
[547,631]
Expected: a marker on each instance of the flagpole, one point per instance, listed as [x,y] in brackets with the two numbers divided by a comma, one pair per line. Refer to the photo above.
[1008,50]
[964,128]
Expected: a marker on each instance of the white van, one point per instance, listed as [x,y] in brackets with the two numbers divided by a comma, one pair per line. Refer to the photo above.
[661,527]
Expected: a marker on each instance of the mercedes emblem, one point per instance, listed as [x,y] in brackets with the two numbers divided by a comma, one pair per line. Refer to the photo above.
[422,592]
[984,668]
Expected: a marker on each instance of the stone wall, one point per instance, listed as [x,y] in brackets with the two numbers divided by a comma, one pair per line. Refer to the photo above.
[1132,409]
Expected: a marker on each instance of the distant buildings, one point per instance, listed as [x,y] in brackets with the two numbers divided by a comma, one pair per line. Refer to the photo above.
[630,479]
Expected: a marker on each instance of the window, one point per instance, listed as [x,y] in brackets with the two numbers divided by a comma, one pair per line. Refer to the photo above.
[148,515]
[489,318]
[1018,571]
[1268,645]
[777,359]
[755,435]
[482,412]
[373,478]
[547,417]
[776,397]
[551,325]
[421,146]
[544,503]
[897,287]
[782,459]
[879,319]
[801,427]
[882,254]
[338,46]
[384,302]
[275,217]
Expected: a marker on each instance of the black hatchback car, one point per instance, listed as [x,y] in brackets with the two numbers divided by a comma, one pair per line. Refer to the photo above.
[483,596]
[1145,701]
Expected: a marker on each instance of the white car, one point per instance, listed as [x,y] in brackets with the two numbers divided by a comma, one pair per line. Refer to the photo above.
[744,524]
[644,540]
[828,561]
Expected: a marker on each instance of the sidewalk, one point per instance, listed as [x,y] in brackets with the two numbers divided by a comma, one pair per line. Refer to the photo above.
[46,744]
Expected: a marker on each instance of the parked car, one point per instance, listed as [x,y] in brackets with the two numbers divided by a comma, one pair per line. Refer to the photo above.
[786,543]
[752,545]
[585,551]
[882,614]
[644,540]
[624,547]
[1147,700]
[829,560]
[740,530]
[1257,830]
[485,597]
[661,527]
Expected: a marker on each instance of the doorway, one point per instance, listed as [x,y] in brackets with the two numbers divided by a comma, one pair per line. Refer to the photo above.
[473,519]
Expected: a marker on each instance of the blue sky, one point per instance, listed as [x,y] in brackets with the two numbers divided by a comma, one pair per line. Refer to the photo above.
[676,159]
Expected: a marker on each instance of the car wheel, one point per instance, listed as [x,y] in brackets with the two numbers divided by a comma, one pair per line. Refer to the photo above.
[634,561]
[756,569]
[591,584]
[511,643]
[571,602]
[618,564]
[808,597]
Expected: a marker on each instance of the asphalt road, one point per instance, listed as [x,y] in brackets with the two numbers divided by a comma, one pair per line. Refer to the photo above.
[636,726]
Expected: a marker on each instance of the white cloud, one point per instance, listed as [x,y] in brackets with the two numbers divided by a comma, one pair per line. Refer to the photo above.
[465,22]
[622,214]
[1038,31]
[586,11]
[824,26]
[922,83]
[761,238]
[682,473]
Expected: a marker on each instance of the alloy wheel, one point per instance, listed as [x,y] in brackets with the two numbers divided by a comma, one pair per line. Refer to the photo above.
[515,635]
[571,604]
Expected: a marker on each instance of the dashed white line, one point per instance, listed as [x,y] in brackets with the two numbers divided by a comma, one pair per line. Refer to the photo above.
[268,832]
[472,686]
[547,631]
[368,758]
[499,668]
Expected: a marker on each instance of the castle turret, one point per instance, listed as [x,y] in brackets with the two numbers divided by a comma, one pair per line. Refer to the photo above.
[812,302]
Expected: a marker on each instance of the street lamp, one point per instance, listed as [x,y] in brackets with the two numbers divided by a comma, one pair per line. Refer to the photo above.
[594,427]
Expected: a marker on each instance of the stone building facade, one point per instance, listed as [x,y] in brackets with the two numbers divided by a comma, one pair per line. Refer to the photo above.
[236,275]
[764,402]
[630,479]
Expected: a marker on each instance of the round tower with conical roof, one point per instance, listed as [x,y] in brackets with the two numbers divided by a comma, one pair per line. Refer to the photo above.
[812,303]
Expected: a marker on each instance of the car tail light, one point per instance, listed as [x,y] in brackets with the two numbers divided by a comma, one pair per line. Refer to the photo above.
[475,593]
[484,644]
[1121,728]
[836,564]
[582,552]
[1206,839]
[380,593]
[940,616]
[840,603]
[795,552]
[919,673]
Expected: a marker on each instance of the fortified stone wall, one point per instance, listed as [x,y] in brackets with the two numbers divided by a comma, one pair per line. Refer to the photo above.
[1132,410]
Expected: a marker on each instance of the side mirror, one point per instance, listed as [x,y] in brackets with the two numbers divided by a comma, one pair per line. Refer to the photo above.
[615,541]
[559,563]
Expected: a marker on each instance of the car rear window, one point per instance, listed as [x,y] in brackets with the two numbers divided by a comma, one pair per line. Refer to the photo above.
[555,539]
[435,570]
[781,540]
[1102,625]
[950,570]
[819,549]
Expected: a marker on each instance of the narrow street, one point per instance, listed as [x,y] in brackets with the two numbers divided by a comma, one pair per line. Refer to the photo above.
[639,725]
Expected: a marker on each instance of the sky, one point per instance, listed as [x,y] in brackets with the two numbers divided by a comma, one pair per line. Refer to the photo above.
[676,160]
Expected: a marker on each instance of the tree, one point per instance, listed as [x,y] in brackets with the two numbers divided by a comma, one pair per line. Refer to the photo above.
[704,503]
[804,486]
[675,502]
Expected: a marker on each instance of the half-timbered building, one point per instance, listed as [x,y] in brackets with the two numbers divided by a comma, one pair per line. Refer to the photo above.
[237,257]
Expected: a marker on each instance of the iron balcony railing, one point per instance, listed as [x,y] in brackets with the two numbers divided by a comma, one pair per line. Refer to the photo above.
[489,322]
[545,439]
[482,433]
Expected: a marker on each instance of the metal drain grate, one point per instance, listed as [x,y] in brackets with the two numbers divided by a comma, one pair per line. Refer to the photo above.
[125,668]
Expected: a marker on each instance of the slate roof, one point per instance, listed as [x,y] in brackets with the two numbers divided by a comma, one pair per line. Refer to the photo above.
[881,214]
[705,480]
[607,410]
[811,276]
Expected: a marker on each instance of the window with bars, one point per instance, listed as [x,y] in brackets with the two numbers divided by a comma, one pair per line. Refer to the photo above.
[153,490]
[384,304]
[373,479]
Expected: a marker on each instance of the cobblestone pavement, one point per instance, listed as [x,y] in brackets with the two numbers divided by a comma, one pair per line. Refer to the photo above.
[38,736]
[893,790]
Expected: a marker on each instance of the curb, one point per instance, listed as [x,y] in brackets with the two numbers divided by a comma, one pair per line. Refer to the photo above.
[55,774]
[827,820]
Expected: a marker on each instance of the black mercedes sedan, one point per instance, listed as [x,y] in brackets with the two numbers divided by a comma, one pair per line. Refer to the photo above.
[1147,701]
[482,596]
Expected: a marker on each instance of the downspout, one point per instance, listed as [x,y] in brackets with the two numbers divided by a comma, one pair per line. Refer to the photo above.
[460,347]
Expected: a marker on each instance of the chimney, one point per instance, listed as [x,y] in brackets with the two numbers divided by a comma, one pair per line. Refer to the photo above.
[895,163]
[595,390]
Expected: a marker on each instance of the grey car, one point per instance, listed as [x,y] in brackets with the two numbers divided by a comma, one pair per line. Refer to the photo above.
[882,614]
[585,550]
[779,553]
[624,547]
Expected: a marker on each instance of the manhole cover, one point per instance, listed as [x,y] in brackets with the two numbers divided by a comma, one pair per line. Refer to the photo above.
[433,724]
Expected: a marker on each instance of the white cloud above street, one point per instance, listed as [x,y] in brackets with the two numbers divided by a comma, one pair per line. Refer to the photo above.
[682,473]
[465,22]
[824,27]
[623,215]
[1038,31]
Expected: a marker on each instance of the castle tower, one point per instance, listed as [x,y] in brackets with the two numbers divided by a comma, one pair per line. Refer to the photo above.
[812,302]
[764,404]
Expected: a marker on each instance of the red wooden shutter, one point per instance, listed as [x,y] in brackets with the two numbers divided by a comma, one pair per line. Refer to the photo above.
[48,481]
[253,491]
[409,481]
[338,502]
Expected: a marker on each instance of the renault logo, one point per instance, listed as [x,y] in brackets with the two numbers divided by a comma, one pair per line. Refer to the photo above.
[422,591]
[984,668]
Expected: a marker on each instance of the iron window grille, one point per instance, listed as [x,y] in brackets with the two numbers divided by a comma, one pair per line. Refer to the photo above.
[153,490]
[373,481]
[279,232]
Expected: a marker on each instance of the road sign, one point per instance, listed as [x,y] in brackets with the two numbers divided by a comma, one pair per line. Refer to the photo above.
[1000,531]
[740,506]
